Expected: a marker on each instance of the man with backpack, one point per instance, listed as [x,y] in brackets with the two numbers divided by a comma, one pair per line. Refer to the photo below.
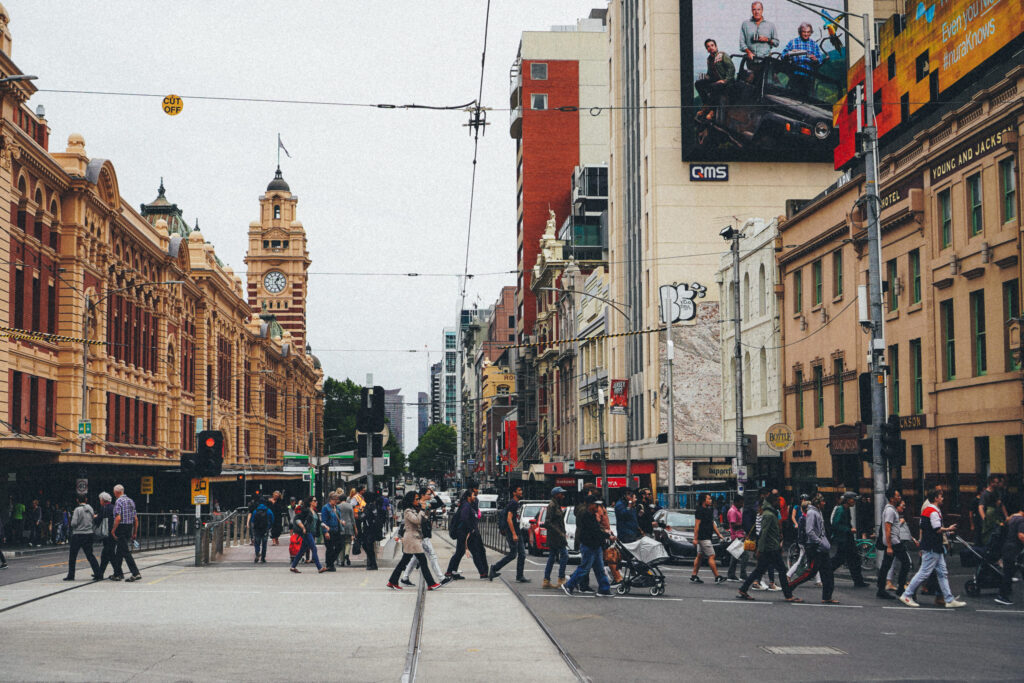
[844,538]
[260,521]
[516,547]
[464,530]
[371,528]
[769,551]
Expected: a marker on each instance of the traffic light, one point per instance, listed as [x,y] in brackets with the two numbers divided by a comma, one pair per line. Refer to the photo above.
[894,449]
[750,449]
[370,417]
[376,446]
[865,450]
[188,462]
[209,453]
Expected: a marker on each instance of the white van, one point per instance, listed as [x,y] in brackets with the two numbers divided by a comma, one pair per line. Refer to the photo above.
[487,502]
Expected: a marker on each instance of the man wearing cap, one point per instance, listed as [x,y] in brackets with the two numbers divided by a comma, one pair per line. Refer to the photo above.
[558,546]
[844,539]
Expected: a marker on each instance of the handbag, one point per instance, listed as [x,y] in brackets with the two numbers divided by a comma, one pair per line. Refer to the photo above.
[295,545]
[749,545]
[737,548]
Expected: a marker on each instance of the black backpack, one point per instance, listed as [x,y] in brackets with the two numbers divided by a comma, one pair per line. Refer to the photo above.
[260,520]
[801,530]
[453,524]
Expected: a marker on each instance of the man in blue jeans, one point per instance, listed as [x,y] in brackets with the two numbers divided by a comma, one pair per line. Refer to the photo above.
[558,546]
[592,538]
[516,546]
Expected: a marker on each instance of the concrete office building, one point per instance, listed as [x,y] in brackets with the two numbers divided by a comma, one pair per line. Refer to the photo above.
[394,411]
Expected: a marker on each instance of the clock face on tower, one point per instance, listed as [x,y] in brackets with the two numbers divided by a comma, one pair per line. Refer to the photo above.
[274,282]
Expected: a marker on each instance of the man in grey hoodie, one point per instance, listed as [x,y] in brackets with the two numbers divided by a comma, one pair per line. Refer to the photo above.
[81,538]
[817,548]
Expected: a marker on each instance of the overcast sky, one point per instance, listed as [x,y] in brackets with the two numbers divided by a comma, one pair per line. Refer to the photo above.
[380,191]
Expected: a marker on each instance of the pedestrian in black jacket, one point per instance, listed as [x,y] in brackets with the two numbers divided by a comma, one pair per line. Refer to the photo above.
[592,538]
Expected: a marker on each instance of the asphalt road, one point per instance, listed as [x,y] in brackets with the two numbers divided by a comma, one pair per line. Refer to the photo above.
[700,631]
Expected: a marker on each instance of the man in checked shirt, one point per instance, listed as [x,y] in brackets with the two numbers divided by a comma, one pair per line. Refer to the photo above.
[126,527]
[807,58]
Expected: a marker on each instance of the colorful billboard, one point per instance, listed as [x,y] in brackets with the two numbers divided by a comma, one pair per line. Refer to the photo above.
[924,54]
[760,79]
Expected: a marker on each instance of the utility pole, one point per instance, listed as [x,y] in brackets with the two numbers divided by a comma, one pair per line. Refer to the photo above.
[604,453]
[734,236]
[872,205]
[85,368]
[669,353]
[369,437]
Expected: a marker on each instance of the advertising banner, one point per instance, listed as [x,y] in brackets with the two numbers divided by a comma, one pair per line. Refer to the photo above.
[760,79]
[924,55]
[512,443]
[619,396]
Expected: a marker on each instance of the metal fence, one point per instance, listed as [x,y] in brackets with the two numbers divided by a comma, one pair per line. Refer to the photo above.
[223,531]
[490,530]
[166,530]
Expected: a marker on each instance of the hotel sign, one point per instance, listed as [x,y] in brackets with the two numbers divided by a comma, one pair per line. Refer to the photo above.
[975,148]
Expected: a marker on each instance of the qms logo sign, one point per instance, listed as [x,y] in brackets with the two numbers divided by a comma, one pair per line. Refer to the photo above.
[706,172]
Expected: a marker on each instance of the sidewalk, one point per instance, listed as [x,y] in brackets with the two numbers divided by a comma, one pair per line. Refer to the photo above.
[235,620]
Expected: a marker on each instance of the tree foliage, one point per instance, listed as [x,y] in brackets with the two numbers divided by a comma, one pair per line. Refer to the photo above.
[435,453]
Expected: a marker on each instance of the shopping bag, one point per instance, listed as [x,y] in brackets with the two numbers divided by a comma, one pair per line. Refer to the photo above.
[736,548]
[295,545]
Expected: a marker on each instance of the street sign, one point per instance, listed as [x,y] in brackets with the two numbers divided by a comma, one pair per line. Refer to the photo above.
[172,105]
[378,465]
[82,486]
[295,462]
[146,487]
[706,470]
[779,437]
[341,468]
[201,491]
[85,428]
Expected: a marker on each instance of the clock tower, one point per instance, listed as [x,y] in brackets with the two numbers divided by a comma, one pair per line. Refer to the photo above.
[277,261]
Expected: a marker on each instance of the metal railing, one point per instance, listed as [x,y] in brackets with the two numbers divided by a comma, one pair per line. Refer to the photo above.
[161,530]
[490,531]
[223,531]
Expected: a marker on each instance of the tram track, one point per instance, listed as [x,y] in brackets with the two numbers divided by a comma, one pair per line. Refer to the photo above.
[412,652]
[84,584]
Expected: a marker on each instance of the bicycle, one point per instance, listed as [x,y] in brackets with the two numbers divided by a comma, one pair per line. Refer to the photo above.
[867,552]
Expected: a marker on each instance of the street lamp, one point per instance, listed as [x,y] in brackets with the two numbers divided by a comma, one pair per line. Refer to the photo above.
[85,326]
[872,207]
[18,77]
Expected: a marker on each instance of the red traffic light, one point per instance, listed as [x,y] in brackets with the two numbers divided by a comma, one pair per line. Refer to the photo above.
[210,442]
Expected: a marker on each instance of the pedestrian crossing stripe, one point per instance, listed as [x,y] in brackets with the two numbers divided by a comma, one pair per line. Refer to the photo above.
[15,333]
[583,339]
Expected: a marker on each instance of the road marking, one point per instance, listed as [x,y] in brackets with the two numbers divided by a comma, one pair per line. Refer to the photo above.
[164,578]
[802,650]
[811,604]
[1000,611]
[921,609]
[738,602]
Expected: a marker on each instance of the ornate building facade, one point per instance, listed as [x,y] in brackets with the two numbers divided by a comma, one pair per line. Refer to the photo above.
[127,322]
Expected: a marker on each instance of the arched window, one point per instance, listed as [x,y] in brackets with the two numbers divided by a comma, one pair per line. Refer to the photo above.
[762,295]
[746,296]
[746,380]
[277,211]
[764,377]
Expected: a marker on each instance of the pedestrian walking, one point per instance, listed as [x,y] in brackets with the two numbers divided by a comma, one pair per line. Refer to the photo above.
[627,524]
[280,510]
[992,513]
[516,545]
[428,504]
[704,525]
[412,543]
[645,511]
[3,560]
[816,547]
[734,518]
[81,539]
[124,530]
[260,522]
[331,524]
[769,552]
[174,523]
[101,532]
[796,521]
[1013,546]
[903,558]
[346,529]
[17,522]
[306,525]
[558,546]
[466,535]
[933,552]
[844,539]
[371,527]
[34,522]
[761,585]
[592,538]
[889,541]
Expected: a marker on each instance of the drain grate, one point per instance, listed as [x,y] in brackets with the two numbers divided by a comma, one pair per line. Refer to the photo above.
[801,650]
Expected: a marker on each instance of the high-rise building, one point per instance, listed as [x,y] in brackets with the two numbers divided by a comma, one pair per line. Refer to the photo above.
[450,378]
[436,400]
[394,410]
[559,95]
[422,413]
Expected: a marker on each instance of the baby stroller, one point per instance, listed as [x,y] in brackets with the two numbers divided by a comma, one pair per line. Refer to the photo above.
[985,558]
[639,565]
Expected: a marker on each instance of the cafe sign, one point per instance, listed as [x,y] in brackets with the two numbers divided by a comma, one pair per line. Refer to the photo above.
[779,437]
[704,470]
[844,439]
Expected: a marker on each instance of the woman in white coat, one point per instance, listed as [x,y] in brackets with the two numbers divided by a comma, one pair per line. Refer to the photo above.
[412,543]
